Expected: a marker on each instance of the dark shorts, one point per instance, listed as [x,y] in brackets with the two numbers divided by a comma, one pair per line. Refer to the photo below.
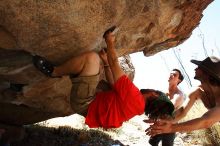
[83,93]
[167,139]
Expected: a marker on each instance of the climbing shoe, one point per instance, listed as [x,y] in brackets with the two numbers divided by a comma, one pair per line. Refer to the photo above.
[43,65]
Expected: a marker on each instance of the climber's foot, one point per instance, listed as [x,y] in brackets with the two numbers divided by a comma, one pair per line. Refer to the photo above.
[43,65]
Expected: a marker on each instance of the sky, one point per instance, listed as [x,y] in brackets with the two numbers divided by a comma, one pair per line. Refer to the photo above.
[153,72]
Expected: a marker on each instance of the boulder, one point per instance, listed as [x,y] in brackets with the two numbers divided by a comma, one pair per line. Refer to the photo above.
[61,29]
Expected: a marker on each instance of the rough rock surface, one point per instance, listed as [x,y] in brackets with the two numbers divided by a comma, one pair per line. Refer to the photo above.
[60,29]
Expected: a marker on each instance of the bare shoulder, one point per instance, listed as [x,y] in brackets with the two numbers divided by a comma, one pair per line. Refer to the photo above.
[195,92]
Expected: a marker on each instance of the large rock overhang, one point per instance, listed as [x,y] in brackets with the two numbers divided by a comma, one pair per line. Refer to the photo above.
[60,29]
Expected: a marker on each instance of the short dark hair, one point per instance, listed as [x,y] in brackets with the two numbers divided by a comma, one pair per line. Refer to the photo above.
[145,91]
[181,77]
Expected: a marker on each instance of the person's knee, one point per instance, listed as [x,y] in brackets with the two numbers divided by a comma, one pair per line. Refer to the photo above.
[92,57]
[91,64]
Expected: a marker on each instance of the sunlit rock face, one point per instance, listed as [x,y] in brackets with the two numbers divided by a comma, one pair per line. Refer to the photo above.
[61,29]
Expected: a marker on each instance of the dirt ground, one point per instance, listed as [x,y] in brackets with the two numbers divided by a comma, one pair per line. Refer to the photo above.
[71,131]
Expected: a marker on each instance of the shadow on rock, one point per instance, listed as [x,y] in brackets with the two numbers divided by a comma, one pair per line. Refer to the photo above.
[65,136]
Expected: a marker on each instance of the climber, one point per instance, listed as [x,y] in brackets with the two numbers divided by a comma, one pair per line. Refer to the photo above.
[105,109]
